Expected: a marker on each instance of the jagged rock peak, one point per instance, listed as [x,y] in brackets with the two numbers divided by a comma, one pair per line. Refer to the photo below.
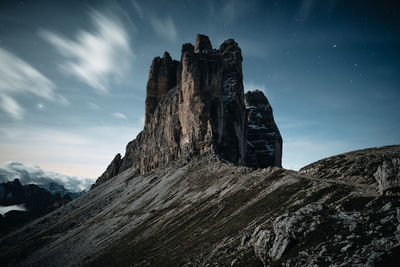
[197,106]
[256,98]
[111,171]
[202,44]
[163,75]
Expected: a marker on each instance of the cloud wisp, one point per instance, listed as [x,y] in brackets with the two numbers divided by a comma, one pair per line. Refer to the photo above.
[164,27]
[96,58]
[19,77]
[30,174]
[119,115]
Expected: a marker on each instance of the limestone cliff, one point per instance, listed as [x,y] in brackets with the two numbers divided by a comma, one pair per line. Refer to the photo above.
[197,105]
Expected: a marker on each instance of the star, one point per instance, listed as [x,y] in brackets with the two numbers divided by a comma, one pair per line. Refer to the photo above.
[334,45]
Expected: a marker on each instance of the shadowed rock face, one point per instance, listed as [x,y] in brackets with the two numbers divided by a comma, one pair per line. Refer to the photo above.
[197,106]
[163,76]
[264,142]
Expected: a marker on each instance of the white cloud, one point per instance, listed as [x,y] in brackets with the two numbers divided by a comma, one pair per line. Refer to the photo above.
[9,105]
[96,58]
[164,28]
[119,115]
[30,174]
[93,106]
[16,77]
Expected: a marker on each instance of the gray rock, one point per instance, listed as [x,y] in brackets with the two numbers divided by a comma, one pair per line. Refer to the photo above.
[388,175]
[387,219]
[398,214]
[387,206]
[280,245]
[353,226]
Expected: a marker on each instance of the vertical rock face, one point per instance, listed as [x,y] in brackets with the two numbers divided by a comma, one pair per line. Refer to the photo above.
[264,142]
[197,105]
[163,76]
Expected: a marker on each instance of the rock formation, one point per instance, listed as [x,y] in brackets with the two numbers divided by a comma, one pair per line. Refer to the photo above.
[196,106]
[264,142]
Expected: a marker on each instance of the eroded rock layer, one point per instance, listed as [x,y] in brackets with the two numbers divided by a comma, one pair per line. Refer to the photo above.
[196,106]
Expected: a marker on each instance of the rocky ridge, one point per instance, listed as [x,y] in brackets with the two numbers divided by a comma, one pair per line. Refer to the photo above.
[210,213]
[368,166]
[197,105]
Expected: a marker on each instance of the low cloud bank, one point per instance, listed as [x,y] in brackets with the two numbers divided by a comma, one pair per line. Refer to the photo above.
[30,174]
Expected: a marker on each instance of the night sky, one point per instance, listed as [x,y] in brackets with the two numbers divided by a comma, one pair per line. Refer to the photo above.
[73,73]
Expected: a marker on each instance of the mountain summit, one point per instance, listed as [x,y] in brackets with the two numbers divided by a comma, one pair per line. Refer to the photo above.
[196,106]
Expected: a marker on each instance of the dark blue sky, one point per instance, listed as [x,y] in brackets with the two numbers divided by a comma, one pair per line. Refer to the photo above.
[73,73]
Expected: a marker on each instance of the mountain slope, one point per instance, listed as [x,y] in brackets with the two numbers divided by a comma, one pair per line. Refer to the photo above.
[209,212]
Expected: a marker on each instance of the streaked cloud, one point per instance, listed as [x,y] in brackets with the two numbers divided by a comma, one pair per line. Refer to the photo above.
[19,77]
[138,8]
[165,28]
[119,115]
[96,58]
[31,174]
[228,11]
[93,106]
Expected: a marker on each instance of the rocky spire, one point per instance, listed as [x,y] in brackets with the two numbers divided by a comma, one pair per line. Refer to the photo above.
[202,44]
[196,106]
[264,142]
[163,76]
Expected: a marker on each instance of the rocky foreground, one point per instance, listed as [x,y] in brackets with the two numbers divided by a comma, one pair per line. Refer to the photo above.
[210,213]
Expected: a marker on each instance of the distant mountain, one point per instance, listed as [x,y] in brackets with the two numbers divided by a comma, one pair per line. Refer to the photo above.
[26,202]
[28,192]
[54,188]
[51,181]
